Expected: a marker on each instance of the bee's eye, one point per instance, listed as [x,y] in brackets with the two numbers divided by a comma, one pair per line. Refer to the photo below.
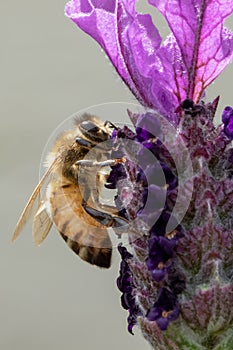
[90,127]
[93,132]
[82,142]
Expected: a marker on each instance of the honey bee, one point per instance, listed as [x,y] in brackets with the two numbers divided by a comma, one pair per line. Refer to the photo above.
[72,200]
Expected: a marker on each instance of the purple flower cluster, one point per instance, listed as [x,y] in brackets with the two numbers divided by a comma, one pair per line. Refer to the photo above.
[162,267]
[175,191]
[153,212]
[165,309]
[170,256]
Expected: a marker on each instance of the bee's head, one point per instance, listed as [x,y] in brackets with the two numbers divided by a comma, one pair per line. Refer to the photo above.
[92,129]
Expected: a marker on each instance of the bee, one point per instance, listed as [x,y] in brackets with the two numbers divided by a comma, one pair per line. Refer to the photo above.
[72,200]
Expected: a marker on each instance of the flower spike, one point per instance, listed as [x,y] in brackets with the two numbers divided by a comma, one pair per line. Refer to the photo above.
[175,187]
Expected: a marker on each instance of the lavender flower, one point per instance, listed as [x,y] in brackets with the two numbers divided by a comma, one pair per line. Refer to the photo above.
[176,186]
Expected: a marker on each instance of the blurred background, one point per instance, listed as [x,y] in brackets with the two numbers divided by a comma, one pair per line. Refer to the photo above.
[50,70]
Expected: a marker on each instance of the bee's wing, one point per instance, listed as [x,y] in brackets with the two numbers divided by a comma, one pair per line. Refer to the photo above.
[33,201]
[85,236]
[41,224]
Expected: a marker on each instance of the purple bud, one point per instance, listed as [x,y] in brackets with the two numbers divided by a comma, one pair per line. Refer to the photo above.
[227,119]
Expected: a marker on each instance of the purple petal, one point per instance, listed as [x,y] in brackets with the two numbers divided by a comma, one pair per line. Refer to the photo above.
[156,198]
[227,119]
[124,253]
[132,43]
[206,46]
[158,275]
[167,301]
[147,127]
[160,77]
[228,129]
[153,175]
[227,114]
[162,323]
[154,313]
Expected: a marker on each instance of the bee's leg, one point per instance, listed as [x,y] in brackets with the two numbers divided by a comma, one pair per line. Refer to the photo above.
[105,207]
[95,195]
[86,196]
[93,163]
[105,215]
[104,218]
[94,192]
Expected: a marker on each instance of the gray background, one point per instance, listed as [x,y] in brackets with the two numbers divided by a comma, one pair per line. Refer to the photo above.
[49,70]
